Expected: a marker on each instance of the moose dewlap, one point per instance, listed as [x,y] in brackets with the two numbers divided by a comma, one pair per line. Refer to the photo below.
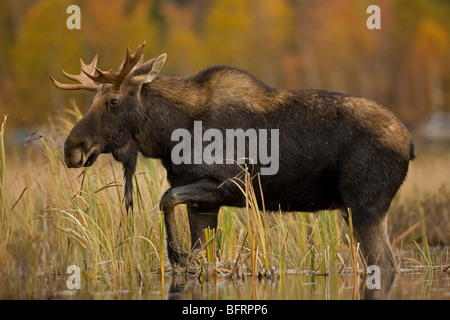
[330,150]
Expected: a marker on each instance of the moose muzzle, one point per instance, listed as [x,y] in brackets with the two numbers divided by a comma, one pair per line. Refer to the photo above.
[77,157]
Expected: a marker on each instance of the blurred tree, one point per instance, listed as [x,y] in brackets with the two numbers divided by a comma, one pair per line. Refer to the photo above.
[334,45]
[43,40]
[272,37]
[285,43]
[181,41]
[12,15]
[45,44]
[110,26]
[253,35]
[420,46]
[426,65]
[227,32]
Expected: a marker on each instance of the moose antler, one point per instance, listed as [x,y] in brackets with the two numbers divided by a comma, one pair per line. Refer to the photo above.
[116,78]
[84,82]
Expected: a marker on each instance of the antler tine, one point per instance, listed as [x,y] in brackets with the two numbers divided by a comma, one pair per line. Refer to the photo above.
[116,78]
[84,82]
[89,67]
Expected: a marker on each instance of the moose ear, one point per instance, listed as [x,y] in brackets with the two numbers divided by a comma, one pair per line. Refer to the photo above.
[149,70]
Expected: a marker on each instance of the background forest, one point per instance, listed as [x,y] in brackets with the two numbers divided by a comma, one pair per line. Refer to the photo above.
[52,217]
[286,43]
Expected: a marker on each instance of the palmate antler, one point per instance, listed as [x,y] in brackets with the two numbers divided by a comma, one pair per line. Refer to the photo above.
[87,77]
[84,82]
[116,78]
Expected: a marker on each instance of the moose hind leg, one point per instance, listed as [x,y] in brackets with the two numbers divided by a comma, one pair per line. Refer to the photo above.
[368,182]
[374,240]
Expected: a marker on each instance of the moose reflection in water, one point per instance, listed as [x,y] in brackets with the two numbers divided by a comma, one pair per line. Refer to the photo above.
[344,286]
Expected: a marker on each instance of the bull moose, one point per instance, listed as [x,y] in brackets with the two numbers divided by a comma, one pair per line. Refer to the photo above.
[335,151]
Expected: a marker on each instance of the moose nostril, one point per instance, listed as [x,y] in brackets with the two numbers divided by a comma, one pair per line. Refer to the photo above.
[81,162]
[74,158]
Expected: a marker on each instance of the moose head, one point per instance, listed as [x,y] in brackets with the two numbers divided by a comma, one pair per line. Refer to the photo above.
[117,99]
[115,115]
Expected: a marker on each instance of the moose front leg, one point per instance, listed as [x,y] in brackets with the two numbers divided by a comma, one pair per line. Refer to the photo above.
[198,196]
[174,251]
[199,219]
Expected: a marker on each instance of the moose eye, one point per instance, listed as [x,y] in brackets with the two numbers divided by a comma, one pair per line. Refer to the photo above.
[111,103]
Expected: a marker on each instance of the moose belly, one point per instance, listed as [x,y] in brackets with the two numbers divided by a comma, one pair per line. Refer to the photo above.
[306,192]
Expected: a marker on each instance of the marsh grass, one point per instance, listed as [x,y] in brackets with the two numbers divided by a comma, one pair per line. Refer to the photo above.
[3,221]
[52,217]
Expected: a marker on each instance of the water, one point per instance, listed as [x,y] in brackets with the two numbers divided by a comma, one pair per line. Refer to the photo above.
[406,285]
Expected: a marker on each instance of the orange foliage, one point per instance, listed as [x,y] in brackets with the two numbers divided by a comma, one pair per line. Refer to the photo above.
[290,44]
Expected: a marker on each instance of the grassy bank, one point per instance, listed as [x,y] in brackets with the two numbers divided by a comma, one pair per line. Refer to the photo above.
[53,217]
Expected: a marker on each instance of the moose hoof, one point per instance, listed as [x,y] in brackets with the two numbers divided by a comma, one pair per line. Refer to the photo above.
[178,257]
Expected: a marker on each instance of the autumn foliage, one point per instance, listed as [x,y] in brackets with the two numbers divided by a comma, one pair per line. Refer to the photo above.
[286,43]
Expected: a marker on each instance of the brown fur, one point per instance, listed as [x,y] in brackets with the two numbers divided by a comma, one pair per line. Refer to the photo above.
[381,123]
[216,86]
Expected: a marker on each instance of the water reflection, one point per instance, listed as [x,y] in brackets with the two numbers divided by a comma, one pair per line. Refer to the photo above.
[403,285]
[378,285]
[409,284]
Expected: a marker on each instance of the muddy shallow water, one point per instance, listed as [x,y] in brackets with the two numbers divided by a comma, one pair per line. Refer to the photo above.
[406,285]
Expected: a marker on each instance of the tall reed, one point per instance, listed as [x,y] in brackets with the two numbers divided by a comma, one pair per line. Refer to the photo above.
[257,229]
[52,217]
[3,213]
[352,240]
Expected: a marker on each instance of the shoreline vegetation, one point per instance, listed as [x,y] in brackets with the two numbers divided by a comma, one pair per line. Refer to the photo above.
[52,217]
